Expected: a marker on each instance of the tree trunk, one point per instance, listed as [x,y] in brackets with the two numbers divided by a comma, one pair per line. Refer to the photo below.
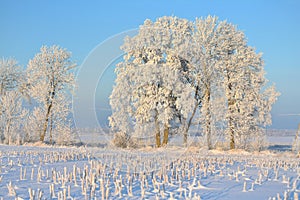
[157,131]
[197,103]
[43,133]
[185,136]
[7,131]
[231,103]
[232,140]
[231,122]
[51,130]
[157,137]
[207,128]
[208,135]
[1,89]
[166,135]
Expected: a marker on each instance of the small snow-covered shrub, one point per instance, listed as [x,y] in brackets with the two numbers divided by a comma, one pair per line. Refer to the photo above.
[33,125]
[65,135]
[123,140]
[222,145]
[252,141]
[258,143]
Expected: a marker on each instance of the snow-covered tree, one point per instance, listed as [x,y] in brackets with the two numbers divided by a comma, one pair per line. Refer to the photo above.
[50,81]
[176,72]
[147,87]
[249,100]
[206,51]
[12,113]
[12,117]
[11,75]
[227,67]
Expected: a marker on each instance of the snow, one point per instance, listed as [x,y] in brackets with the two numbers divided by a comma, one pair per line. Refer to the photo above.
[149,173]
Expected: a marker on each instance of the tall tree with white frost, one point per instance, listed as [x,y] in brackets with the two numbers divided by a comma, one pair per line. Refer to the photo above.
[147,87]
[11,110]
[12,117]
[206,51]
[51,80]
[176,72]
[224,65]
[243,80]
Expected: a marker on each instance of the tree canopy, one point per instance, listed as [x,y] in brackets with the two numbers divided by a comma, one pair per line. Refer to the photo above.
[177,73]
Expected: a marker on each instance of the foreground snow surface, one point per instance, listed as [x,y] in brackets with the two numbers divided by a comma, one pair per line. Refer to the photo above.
[29,172]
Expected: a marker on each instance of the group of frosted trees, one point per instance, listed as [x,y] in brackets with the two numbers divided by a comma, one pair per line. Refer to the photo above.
[178,75]
[35,102]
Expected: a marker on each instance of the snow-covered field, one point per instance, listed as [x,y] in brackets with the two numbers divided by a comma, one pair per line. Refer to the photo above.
[31,172]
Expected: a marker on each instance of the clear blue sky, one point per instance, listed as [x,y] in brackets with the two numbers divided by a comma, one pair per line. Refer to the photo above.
[270,26]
